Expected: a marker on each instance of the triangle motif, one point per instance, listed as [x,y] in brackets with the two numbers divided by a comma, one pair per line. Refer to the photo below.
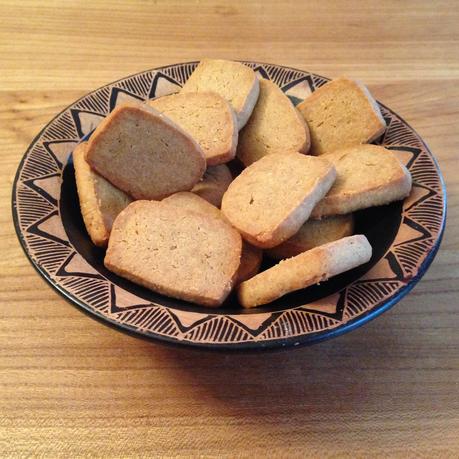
[61,149]
[163,85]
[123,299]
[408,232]
[300,90]
[328,304]
[381,270]
[252,321]
[153,319]
[76,265]
[417,195]
[119,97]
[31,206]
[86,122]
[187,318]
[41,162]
[51,185]
[53,226]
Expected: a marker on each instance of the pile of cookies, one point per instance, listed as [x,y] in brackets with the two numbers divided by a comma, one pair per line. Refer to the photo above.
[155,189]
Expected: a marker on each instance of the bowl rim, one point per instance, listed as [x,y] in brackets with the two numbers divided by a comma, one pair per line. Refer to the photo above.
[271,344]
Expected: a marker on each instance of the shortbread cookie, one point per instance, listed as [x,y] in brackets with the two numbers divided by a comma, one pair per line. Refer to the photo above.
[208,118]
[312,234]
[175,252]
[190,201]
[213,185]
[307,268]
[144,153]
[270,200]
[100,201]
[367,176]
[250,256]
[340,114]
[275,126]
[234,81]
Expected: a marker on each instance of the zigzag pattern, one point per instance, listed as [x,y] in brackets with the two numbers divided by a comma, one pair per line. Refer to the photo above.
[297,322]
[94,292]
[138,85]
[97,102]
[61,128]
[218,329]
[282,75]
[39,163]
[428,213]
[156,318]
[360,294]
[423,172]
[408,255]
[48,254]
[30,206]
[397,133]
[180,73]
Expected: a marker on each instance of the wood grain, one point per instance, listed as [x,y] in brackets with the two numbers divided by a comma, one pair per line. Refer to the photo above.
[71,387]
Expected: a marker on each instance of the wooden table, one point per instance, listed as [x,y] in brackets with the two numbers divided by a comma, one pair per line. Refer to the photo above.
[70,386]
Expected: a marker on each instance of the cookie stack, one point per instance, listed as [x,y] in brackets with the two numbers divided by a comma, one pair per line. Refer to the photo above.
[155,188]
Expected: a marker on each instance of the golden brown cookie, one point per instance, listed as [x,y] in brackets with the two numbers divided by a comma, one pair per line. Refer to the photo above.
[250,256]
[367,176]
[234,81]
[275,126]
[312,234]
[144,153]
[208,118]
[307,268]
[272,198]
[340,114]
[176,252]
[100,201]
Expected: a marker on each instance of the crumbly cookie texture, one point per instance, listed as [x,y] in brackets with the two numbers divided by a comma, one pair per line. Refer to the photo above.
[144,153]
[250,256]
[275,126]
[340,114]
[208,118]
[272,198]
[312,234]
[308,268]
[367,176]
[100,201]
[234,81]
[176,252]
